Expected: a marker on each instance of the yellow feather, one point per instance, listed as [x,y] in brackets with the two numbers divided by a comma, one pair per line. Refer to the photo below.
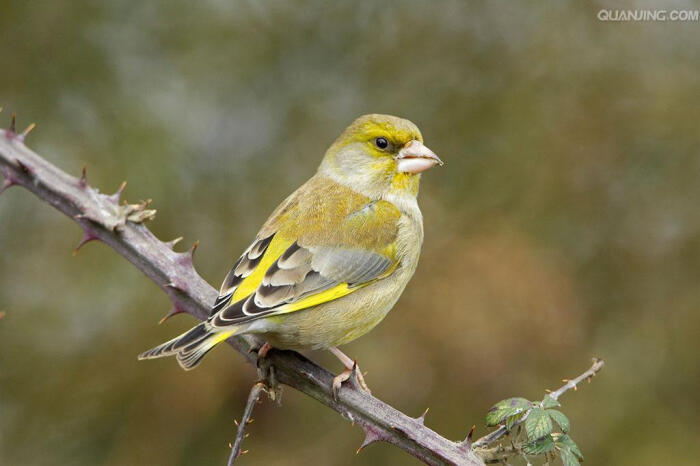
[252,281]
[222,336]
[319,298]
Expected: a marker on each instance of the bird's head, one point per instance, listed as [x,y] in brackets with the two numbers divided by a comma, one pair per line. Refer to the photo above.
[379,154]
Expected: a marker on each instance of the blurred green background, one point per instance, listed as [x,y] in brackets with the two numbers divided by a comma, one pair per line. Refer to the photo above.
[564,225]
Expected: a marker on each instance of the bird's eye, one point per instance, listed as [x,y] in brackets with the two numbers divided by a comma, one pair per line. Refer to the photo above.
[382,143]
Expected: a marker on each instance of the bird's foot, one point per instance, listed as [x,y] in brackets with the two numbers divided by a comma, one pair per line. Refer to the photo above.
[352,374]
[266,371]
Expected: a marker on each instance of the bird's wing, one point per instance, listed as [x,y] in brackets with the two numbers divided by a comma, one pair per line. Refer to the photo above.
[325,241]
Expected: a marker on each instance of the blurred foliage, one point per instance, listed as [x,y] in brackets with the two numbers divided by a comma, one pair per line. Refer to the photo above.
[564,225]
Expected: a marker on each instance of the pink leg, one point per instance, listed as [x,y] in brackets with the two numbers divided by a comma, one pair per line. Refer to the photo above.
[264,349]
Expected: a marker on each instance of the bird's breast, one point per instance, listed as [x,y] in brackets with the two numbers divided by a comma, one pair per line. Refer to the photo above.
[409,239]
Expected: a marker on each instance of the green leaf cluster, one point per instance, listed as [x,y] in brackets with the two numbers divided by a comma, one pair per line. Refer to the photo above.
[539,420]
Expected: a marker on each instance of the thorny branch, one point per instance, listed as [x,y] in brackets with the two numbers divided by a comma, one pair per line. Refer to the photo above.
[253,398]
[120,226]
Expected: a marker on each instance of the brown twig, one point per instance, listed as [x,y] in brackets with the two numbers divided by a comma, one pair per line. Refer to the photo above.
[121,226]
[573,383]
[253,398]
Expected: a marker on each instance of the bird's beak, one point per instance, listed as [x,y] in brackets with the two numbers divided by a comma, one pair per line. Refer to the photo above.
[414,157]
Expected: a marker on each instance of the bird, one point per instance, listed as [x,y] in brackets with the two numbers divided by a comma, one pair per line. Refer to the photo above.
[332,259]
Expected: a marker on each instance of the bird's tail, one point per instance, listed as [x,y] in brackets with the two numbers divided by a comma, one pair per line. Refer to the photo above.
[191,346]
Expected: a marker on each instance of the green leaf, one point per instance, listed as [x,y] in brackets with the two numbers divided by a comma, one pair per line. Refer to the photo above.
[564,442]
[538,424]
[505,409]
[568,458]
[511,420]
[539,446]
[559,418]
[549,402]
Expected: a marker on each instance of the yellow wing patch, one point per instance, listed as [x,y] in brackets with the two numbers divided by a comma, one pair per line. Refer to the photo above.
[336,292]
[252,281]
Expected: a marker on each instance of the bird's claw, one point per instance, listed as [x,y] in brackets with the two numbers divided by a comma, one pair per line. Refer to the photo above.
[360,380]
[338,382]
[354,375]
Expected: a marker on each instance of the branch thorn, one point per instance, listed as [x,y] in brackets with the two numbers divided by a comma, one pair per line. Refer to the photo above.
[186,258]
[87,237]
[371,436]
[83,177]
[421,419]
[171,244]
[8,181]
[13,122]
[173,311]
[194,248]
[466,444]
[26,131]
[117,195]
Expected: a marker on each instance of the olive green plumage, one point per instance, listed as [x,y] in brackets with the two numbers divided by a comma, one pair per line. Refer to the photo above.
[334,257]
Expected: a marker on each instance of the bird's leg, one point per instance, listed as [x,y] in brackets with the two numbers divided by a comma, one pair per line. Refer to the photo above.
[266,371]
[261,352]
[264,349]
[350,369]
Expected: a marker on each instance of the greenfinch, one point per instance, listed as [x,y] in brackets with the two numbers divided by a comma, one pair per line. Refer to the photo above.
[333,258]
